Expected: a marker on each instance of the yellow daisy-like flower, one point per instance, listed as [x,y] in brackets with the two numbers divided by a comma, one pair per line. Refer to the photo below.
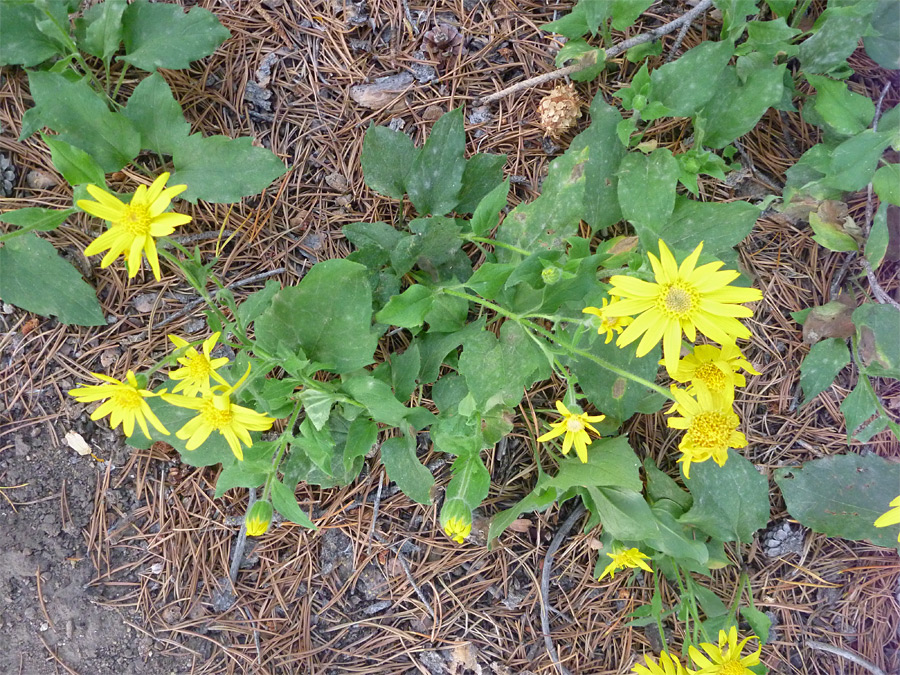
[668,665]
[711,425]
[892,517]
[608,324]
[258,518]
[631,557]
[126,404]
[218,413]
[725,659]
[574,426]
[714,368]
[683,299]
[196,367]
[135,225]
[456,519]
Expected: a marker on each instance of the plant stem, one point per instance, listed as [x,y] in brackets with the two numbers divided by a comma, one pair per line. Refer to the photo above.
[492,242]
[282,446]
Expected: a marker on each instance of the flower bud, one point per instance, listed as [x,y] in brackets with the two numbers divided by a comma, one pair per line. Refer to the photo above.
[639,102]
[258,518]
[551,275]
[456,519]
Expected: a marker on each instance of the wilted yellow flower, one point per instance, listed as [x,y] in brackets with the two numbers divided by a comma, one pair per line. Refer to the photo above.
[622,559]
[574,426]
[126,404]
[608,324]
[892,517]
[456,519]
[134,226]
[668,665]
[725,659]
[714,368]
[196,367]
[683,299]
[218,413]
[711,426]
[258,518]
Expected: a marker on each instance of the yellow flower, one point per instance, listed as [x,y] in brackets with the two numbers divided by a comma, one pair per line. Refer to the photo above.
[608,324]
[668,665]
[134,225]
[711,425]
[218,413]
[573,426]
[631,557]
[724,661]
[715,368]
[684,299]
[892,517]
[196,367]
[456,519]
[258,518]
[126,403]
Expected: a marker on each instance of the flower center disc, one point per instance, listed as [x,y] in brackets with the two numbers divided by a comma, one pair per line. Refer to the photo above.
[198,366]
[711,430]
[217,414]
[676,300]
[574,425]
[711,376]
[128,399]
[136,219]
[732,667]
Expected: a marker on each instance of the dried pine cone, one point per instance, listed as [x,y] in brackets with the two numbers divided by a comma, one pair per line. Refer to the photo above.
[443,41]
[559,110]
[7,176]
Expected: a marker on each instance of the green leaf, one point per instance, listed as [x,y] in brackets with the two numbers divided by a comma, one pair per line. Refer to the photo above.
[770,38]
[81,118]
[378,399]
[487,213]
[434,241]
[782,8]
[76,166]
[625,12]
[37,218]
[661,486]
[361,436]
[386,159]
[576,51]
[675,539]
[489,279]
[734,15]
[830,235]
[876,327]
[405,370]
[222,170]
[470,481]
[759,623]
[846,112]
[611,463]
[881,44]
[686,84]
[859,408]
[161,35]
[719,225]
[837,32]
[547,221]
[818,370]
[854,161]
[448,314]
[731,502]
[327,315]
[214,450]
[483,173]
[285,502]
[647,189]
[538,500]
[886,183]
[317,406]
[404,468]
[601,202]
[35,278]
[99,32]
[157,116]
[435,178]
[257,302]
[21,43]
[738,106]
[843,495]
[575,23]
[879,237]
[241,474]
[408,309]
[624,513]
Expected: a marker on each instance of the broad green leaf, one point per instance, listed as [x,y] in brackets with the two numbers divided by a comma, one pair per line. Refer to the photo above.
[846,112]
[661,486]
[734,16]
[625,12]
[675,539]
[241,474]
[405,371]
[686,84]
[361,436]
[36,218]
[285,502]
[770,38]
[759,623]
[35,278]
[378,399]
[408,309]
[386,159]
[482,175]
[886,183]
[161,35]
[859,408]
[601,202]
[487,213]
[719,225]
[21,42]
[81,118]
[157,116]
[327,315]
[470,481]
[879,237]
[781,7]
[434,348]
[547,221]
[575,23]
[738,106]
[877,326]
[99,32]
[647,189]
[435,178]
[316,445]
[837,32]
[831,236]
[843,495]
[624,513]
[448,314]
[404,468]
[317,405]
[578,50]
[854,161]
[456,435]
[731,502]
[611,463]
[489,279]
[257,302]
[537,500]
[76,166]
[881,44]
[818,370]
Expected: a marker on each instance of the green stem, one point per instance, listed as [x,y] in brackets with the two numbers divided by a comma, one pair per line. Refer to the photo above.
[120,82]
[658,617]
[492,242]
[282,446]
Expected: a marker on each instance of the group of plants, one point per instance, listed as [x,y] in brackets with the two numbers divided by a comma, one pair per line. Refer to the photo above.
[440,324]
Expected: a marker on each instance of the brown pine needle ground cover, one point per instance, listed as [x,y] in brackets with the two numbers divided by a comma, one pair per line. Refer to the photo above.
[379,589]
